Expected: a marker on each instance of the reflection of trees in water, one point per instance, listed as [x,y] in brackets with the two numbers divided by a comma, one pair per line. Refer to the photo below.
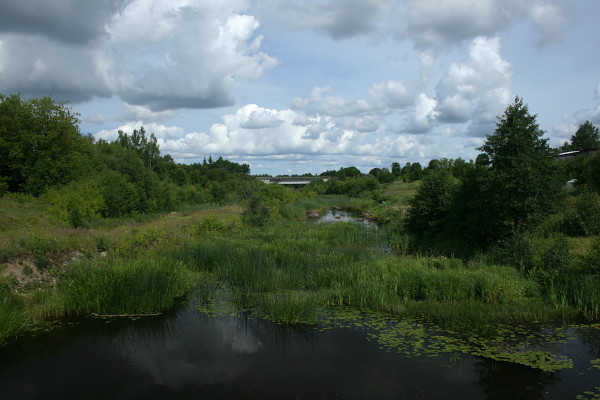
[590,337]
[503,380]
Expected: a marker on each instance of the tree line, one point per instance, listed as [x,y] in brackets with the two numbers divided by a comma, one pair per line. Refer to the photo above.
[44,154]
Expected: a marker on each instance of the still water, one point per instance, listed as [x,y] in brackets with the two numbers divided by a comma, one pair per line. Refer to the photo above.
[344,216]
[186,354]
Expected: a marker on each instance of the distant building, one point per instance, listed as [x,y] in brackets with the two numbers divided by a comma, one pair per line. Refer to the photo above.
[590,152]
[567,155]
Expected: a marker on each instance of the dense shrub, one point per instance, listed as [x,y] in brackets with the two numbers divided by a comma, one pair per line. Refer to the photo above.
[555,253]
[588,210]
[213,224]
[120,196]
[592,172]
[77,203]
[430,208]
[355,186]
[581,215]
[258,212]
[516,251]
[592,260]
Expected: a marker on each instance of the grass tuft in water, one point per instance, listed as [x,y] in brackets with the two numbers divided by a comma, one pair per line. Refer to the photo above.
[123,286]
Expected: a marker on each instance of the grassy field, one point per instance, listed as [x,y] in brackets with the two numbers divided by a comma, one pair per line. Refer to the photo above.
[400,191]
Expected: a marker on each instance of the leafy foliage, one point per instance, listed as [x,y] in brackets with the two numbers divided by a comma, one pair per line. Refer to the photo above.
[587,136]
[42,151]
[592,172]
[40,144]
[524,185]
[511,187]
[383,175]
[146,148]
[78,203]
[430,208]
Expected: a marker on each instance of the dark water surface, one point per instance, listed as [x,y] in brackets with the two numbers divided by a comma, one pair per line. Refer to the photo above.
[186,354]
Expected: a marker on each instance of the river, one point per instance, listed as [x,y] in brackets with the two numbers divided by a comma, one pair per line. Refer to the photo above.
[187,354]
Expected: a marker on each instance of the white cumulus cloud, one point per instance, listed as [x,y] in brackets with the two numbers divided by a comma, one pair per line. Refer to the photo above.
[477,88]
[160,54]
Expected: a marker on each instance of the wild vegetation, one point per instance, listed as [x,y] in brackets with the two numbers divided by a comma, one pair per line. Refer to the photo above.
[116,228]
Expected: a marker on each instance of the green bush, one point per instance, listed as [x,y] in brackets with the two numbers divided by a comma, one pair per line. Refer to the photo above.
[592,260]
[555,253]
[120,196]
[591,172]
[214,224]
[3,185]
[77,203]
[588,209]
[516,251]
[430,207]
[138,242]
[570,223]
[258,212]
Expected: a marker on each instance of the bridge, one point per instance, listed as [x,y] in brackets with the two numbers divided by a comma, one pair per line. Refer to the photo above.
[292,180]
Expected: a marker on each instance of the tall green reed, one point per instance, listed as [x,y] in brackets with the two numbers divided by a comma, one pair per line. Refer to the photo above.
[123,286]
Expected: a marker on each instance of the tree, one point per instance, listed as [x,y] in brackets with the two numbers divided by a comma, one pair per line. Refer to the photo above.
[415,173]
[375,172]
[348,172]
[592,172]
[146,148]
[470,213]
[383,175]
[523,184]
[40,144]
[430,207]
[586,137]
[396,169]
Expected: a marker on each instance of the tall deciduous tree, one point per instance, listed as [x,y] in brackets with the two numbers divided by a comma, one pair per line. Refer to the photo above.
[396,169]
[40,144]
[146,147]
[586,137]
[523,184]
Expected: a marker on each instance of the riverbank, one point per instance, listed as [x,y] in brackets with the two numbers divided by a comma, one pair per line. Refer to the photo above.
[290,270]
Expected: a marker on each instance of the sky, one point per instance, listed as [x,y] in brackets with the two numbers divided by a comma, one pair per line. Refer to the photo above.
[297,86]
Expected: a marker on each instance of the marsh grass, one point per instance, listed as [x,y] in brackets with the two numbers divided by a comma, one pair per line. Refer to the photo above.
[12,313]
[12,320]
[578,291]
[144,285]
[294,306]
[289,271]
